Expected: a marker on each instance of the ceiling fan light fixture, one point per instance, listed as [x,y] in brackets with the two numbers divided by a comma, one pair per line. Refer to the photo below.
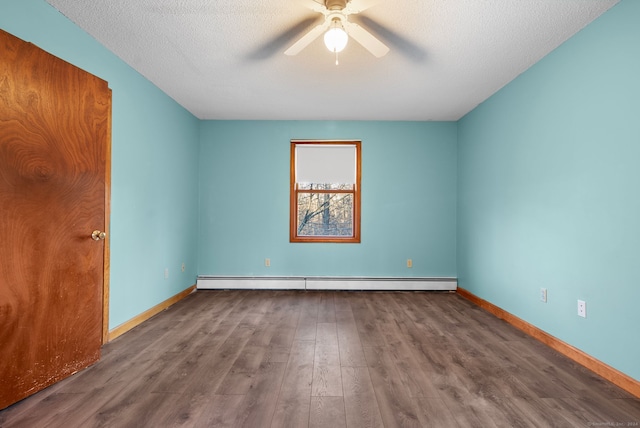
[335,39]
[337,29]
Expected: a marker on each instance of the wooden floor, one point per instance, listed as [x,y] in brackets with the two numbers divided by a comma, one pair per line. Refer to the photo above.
[327,359]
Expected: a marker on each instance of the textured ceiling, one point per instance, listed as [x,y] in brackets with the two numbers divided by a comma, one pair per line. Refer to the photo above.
[223,59]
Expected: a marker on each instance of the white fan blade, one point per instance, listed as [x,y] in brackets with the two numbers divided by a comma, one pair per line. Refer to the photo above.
[306,40]
[313,5]
[357,6]
[366,39]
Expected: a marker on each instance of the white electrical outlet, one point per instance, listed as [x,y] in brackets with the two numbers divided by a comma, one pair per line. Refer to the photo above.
[166,273]
[409,263]
[182,267]
[582,308]
[267,262]
[543,295]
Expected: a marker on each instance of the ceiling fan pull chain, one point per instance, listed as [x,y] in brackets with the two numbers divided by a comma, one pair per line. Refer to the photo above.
[336,57]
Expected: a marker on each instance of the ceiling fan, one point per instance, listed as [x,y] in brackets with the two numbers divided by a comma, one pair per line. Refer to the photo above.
[337,29]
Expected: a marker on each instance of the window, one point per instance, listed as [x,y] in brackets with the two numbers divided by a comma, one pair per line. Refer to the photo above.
[325,191]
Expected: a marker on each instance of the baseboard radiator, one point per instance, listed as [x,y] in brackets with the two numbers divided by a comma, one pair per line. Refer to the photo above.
[206,282]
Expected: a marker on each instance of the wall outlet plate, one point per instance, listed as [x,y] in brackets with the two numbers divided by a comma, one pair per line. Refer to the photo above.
[582,308]
[543,295]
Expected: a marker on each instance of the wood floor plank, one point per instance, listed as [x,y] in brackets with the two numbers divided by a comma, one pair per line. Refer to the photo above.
[503,379]
[470,410]
[397,408]
[390,322]
[327,378]
[361,406]
[327,412]
[277,354]
[126,400]
[220,411]
[306,328]
[200,348]
[326,345]
[276,349]
[209,369]
[366,323]
[175,410]
[326,359]
[342,301]
[424,315]
[438,365]
[598,411]
[370,324]
[541,384]
[351,353]
[413,370]
[239,379]
[628,408]
[566,372]
[286,326]
[263,334]
[327,308]
[432,412]
[42,413]
[294,399]
[541,414]
[327,381]
[410,330]
[209,366]
[259,403]
[574,410]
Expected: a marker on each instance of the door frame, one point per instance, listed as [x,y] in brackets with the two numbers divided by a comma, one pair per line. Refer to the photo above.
[107,230]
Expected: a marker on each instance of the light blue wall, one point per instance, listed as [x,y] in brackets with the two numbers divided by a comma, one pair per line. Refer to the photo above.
[549,192]
[408,200]
[154,165]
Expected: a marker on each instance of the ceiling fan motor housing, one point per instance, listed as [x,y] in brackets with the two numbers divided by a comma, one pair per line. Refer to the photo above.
[335,4]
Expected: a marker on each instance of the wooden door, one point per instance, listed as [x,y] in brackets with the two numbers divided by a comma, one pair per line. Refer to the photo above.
[54,147]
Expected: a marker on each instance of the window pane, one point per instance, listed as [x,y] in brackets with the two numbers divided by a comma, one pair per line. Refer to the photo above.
[325,214]
[326,163]
[325,186]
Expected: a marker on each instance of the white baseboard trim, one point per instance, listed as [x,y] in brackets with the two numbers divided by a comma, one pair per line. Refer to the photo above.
[212,282]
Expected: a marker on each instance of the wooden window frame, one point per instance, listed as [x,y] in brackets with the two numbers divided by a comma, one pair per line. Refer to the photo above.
[294,192]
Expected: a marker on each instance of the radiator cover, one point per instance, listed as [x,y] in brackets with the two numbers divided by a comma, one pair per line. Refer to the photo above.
[208,282]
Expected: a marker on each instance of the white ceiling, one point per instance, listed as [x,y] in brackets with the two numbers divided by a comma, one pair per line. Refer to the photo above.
[223,59]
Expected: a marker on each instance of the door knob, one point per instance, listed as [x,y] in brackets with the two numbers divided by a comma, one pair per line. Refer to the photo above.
[96,235]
